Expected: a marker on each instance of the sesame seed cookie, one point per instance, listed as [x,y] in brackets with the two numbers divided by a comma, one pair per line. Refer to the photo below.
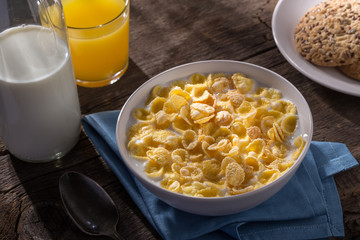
[329,33]
[352,70]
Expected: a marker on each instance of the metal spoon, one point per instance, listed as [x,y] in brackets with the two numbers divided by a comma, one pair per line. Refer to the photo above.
[88,205]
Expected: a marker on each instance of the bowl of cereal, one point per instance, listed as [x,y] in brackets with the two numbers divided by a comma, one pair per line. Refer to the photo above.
[214,137]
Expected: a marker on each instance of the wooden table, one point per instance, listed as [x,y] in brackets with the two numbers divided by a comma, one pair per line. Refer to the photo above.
[164,34]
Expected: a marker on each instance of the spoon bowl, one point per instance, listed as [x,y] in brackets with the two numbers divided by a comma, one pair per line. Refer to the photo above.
[88,205]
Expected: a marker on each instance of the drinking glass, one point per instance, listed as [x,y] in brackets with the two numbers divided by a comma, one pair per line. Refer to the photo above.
[39,105]
[98,33]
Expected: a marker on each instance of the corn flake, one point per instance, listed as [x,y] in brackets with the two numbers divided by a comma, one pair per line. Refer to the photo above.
[211,168]
[162,119]
[220,84]
[189,139]
[157,104]
[288,124]
[165,137]
[179,92]
[223,118]
[154,170]
[234,174]
[192,173]
[201,113]
[142,114]
[170,184]
[242,83]
[197,78]
[159,155]
[180,156]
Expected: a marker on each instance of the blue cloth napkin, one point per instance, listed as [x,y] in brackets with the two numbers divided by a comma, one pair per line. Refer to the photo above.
[308,207]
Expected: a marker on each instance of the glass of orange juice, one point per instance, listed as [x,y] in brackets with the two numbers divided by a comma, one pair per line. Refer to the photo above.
[98,32]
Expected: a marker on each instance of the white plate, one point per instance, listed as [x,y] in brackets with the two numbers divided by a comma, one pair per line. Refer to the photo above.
[286,15]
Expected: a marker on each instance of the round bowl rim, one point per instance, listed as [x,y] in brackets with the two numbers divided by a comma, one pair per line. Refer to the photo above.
[291,170]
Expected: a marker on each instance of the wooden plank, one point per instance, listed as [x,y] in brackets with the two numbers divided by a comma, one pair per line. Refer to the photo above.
[164,34]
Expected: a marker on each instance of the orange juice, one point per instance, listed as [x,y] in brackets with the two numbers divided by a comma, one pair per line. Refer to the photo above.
[98,33]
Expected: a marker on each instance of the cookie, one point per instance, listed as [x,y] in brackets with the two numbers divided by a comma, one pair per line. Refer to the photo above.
[329,33]
[352,70]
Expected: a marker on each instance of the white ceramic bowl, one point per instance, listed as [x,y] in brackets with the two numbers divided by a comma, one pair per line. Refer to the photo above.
[219,205]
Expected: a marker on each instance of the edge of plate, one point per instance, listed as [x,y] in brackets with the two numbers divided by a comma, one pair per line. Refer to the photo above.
[353,92]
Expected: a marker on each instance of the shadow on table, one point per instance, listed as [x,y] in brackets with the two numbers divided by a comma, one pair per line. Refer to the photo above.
[113,96]
[331,108]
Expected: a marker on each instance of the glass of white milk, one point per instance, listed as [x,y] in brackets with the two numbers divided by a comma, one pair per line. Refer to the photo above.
[39,105]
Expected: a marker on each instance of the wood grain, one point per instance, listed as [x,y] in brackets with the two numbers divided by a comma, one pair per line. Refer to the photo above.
[164,34]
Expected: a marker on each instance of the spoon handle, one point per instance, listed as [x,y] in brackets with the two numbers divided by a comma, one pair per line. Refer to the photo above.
[115,235]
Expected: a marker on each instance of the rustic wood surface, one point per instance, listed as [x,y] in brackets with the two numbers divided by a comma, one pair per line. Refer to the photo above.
[164,34]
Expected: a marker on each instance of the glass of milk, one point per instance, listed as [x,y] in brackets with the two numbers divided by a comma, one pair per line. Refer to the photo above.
[39,105]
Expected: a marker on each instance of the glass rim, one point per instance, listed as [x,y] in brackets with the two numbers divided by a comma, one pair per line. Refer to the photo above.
[104,24]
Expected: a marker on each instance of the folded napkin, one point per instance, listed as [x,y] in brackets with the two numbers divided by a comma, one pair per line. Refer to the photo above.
[308,207]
